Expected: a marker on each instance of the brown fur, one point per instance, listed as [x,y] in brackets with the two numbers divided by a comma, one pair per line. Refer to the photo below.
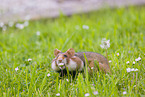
[70,55]
[93,59]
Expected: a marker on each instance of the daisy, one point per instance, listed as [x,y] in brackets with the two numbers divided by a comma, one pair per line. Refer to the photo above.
[16,69]
[87,94]
[58,94]
[133,62]
[138,59]
[110,61]
[128,69]
[117,54]
[95,93]
[124,92]
[48,75]
[38,33]
[1,24]
[85,27]
[127,62]
[29,59]
[67,80]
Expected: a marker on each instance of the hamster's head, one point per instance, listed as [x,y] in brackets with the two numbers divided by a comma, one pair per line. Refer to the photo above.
[62,59]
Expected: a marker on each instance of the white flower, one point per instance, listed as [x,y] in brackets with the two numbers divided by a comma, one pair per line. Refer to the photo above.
[92,67]
[110,61]
[58,94]
[87,94]
[135,69]
[29,59]
[133,62]
[67,80]
[48,75]
[134,86]
[95,93]
[26,23]
[117,54]
[16,69]
[124,92]
[138,59]
[38,33]
[11,24]
[128,69]
[1,24]
[85,27]
[127,62]
[131,69]
[20,26]
[105,43]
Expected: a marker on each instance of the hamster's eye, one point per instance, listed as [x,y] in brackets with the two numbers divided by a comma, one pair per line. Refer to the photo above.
[65,55]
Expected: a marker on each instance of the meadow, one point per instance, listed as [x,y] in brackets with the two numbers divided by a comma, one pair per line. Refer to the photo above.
[26,53]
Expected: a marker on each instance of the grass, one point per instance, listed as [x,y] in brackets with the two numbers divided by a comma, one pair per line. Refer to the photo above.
[125,27]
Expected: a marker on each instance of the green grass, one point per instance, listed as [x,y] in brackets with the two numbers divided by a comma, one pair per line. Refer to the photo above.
[125,27]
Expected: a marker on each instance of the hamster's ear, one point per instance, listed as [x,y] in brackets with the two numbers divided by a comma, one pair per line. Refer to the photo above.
[56,52]
[71,52]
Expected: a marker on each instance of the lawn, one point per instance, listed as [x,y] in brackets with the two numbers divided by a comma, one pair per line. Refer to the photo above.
[26,55]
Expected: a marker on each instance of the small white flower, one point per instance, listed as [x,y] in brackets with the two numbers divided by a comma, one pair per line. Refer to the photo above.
[127,62]
[16,69]
[110,61]
[105,43]
[124,92]
[20,26]
[135,69]
[38,33]
[11,24]
[134,86]
[6,69]
[87,94]
[138,59]
[1,24]
[48,75]
[95,93]
[132,69]
[58,94]
[29,59]
[128,69]
[85,27]
[92,67]
[117,54]
[133,62]
[67,80]
[26,23]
